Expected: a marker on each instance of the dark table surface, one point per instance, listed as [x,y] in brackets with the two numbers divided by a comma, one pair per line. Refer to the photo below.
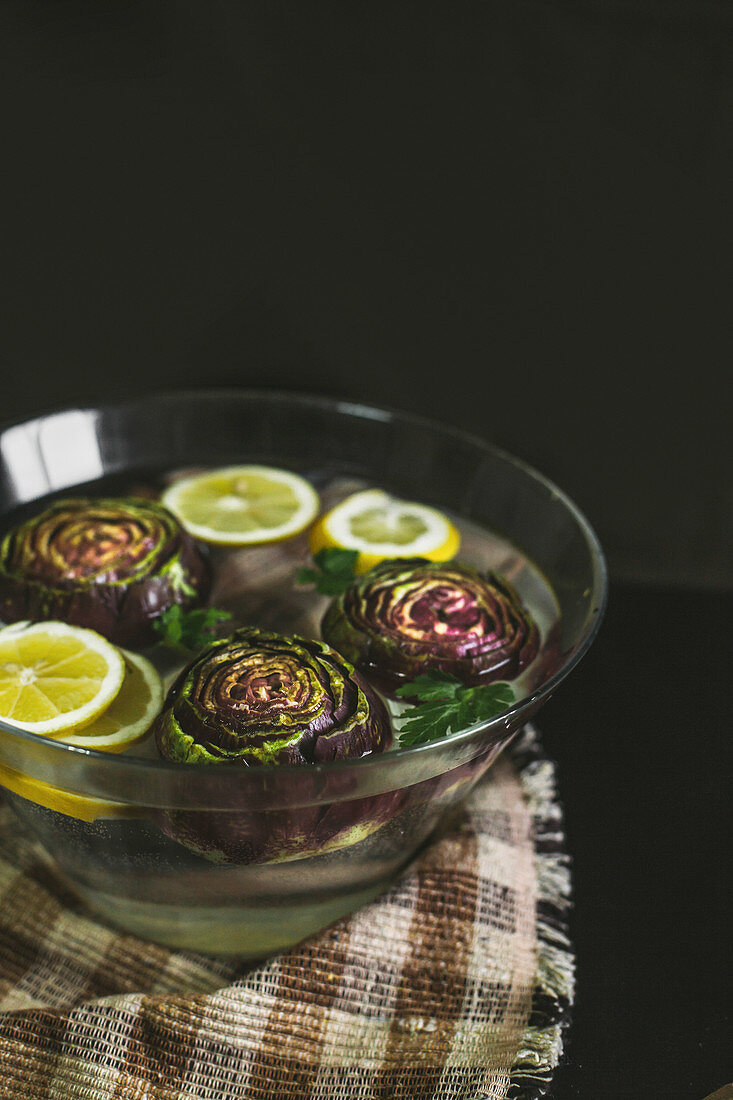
[643,739]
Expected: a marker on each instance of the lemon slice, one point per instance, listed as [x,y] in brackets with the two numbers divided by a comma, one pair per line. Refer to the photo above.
[243,505]
[55,678]
[380,526]
[127,719]
[63,802]
[130,715]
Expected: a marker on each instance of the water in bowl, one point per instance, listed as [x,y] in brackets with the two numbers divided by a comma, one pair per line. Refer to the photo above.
[127,864]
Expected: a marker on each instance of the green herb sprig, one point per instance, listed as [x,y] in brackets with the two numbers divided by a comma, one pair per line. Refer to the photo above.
[334,572]
[445,704]
[190,630]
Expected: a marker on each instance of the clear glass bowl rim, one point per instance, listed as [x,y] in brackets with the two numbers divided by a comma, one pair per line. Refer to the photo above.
[460,746]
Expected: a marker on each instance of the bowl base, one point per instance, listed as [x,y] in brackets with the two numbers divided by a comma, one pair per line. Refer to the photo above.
[248,931]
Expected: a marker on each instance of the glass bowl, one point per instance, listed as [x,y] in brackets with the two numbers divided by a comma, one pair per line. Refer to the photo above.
[335,834]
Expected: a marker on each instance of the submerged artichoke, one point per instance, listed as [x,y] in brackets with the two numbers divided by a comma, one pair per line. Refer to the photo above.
[406,616]
[264,698]
[260,698]
[111,565]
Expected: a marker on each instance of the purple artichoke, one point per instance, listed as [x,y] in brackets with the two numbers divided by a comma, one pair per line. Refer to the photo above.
[112,565]
[264,698]
[259,698]
[407,616]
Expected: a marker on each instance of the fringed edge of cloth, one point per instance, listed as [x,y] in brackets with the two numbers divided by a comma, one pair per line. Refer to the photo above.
[542,1043]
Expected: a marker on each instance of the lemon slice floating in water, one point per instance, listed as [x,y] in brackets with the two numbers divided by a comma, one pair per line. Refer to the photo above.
[55,678]
[63,802]
[243,505]
[380,526]
[130,715]
[126,720]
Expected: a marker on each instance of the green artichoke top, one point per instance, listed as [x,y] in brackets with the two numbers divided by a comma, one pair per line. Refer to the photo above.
[407,616]
[263,698]
[113,565]
[86,542]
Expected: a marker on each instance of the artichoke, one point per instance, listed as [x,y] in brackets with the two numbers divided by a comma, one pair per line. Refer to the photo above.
[261,698]
[112,565]
[407,616]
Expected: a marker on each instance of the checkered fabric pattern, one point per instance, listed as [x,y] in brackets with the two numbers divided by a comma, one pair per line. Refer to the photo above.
[426,992]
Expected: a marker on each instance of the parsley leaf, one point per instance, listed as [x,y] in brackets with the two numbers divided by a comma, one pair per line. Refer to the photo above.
[189,629]
[334,571]
[445,704]
[431,685]
[426,722]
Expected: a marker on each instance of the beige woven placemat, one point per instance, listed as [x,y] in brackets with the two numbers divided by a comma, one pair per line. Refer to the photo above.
[427,992]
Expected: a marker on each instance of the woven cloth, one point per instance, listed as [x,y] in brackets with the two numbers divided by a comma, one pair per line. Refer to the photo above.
[452,984]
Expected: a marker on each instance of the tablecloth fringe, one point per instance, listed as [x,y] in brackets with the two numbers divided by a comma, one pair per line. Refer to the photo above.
[542,1043]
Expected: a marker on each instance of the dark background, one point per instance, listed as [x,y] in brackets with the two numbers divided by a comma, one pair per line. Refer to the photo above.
[511,215]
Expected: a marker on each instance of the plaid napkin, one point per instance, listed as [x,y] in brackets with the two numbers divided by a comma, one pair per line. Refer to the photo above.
[452,984]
